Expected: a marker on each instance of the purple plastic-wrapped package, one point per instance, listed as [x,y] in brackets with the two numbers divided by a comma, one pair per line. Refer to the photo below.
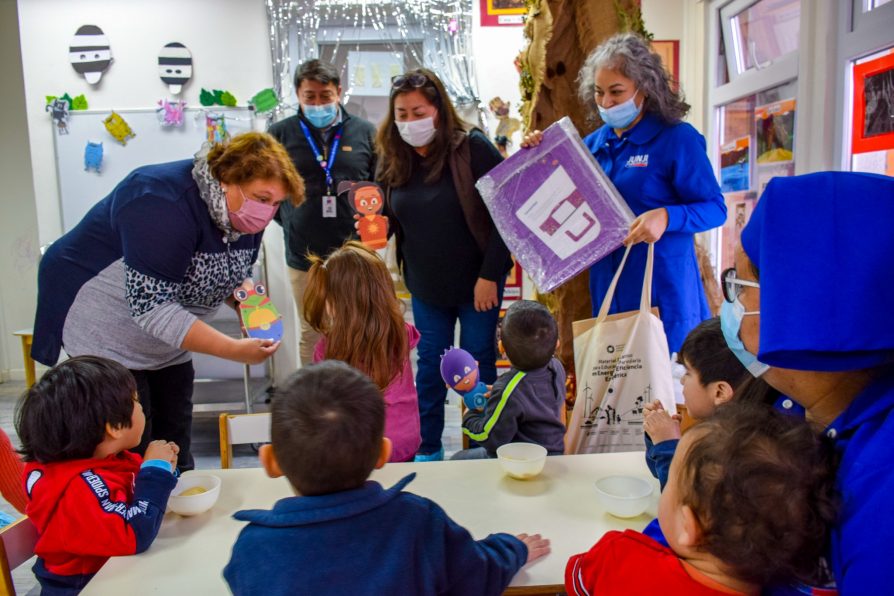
[554,206]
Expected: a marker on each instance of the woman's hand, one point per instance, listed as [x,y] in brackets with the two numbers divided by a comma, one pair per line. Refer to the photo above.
[532,139]
[648,227]
[485,294]
[253,350]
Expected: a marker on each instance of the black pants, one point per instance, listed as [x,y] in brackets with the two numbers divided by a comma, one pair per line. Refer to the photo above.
[166,397]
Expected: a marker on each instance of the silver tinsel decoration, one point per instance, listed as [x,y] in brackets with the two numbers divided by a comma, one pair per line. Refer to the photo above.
[435,34]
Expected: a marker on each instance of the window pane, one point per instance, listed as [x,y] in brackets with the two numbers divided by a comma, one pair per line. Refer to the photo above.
[870,4]
[874,136]
[765,31]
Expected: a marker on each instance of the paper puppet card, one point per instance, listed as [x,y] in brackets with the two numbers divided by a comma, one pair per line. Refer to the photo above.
[368,200]
[175,66]
[554,206]
[259,317]
[89,53]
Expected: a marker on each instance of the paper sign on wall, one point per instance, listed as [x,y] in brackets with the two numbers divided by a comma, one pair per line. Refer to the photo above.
[369,73]
[90,53]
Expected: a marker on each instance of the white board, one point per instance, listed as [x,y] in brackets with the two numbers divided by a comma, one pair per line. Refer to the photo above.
[79,189]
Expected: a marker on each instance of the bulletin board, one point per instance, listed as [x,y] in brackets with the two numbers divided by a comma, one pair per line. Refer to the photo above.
[80,189]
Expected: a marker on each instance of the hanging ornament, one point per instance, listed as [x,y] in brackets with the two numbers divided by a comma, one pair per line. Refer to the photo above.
[93,156]
[264,101]
[175,66]
[118,128]
[170,113]
[90,53]
[59,109]
[216,127]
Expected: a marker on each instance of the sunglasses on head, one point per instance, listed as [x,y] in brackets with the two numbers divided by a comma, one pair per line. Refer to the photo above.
[413,80]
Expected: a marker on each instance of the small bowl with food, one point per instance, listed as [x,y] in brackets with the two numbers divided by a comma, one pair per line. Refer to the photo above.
[194,494]
[522,460]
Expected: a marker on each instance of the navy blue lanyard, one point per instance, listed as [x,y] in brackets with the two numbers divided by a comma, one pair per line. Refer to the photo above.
[321,159]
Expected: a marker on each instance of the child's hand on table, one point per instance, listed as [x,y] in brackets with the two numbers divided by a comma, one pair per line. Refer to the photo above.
[537,546]
[660,425]
[163,450]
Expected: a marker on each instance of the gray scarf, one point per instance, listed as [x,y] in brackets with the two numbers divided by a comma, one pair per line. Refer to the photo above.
[213,195]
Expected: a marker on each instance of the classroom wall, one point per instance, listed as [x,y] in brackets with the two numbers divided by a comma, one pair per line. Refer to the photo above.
[18,217]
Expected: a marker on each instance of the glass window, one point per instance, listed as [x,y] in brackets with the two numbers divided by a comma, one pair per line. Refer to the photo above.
[759,33]
[872,123]
[872,4]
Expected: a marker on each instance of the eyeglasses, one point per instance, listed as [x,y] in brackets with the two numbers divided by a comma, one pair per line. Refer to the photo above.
[732,285]
[413,80]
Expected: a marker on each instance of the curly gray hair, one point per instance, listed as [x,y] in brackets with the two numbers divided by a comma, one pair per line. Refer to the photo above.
[630,55]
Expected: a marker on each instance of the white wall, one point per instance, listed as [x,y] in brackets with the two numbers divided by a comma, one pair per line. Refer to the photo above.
[18,219]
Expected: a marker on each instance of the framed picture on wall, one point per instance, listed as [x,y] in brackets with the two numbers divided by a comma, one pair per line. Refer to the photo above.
[495,13]
[669,50]
[873,128]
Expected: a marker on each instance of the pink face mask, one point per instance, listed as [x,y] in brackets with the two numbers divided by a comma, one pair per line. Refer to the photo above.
[253,216]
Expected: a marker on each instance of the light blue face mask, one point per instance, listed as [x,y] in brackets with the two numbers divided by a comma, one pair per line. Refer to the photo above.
[621,115]
[731,315]
[320,116]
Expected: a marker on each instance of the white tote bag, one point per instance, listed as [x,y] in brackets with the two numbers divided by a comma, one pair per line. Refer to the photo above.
[622,363]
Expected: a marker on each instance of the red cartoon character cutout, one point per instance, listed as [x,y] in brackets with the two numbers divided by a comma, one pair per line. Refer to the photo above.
[368,200]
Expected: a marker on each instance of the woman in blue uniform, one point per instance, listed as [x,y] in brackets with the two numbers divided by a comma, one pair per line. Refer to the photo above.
[812,299]
[659,165]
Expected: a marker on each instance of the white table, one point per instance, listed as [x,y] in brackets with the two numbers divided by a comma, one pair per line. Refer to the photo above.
[189,554]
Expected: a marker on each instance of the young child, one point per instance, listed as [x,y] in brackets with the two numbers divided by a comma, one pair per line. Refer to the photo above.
[713,377]
[350,300]
[344,534]
[90,498]
[749,503]
[527,403]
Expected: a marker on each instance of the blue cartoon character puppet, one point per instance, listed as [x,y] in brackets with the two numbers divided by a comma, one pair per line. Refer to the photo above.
[259,317]
[460,371]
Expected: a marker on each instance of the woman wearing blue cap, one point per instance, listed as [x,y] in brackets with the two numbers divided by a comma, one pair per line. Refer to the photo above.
[812,297]
[659,165]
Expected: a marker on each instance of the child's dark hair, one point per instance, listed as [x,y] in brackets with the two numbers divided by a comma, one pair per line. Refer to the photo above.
[327,427]
[761,485]
[706,351]
[529,333]
[64,415]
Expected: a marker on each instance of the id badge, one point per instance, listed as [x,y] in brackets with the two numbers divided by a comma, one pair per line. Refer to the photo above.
[329,206]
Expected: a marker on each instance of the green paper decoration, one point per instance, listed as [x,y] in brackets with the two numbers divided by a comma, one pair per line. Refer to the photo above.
[206,98]
[228,99]
[79,102]
[216,97]
[264,101]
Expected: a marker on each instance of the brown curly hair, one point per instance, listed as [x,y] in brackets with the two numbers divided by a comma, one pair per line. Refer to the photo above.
[255,156]
[761,484]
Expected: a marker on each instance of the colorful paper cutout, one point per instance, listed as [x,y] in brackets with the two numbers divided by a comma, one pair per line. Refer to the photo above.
[216,98]
[93,157]
[258,315]
[90,53]
[59,110]
[216,127]
[228,99]
[119,128]
[368,200]
[170,113]
[79,102]
[264,101]
[460,372]
[175,66]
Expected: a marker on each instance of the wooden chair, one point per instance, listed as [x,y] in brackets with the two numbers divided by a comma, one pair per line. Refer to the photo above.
[17,542]
[240,429]
[27,336]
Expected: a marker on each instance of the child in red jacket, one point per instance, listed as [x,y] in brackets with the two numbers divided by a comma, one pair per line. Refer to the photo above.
[89,497]
[748,503]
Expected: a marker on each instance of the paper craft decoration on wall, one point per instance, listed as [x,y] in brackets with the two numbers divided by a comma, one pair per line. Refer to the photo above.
[93,157]
[368,200]
[460,372]
[506,125]
[118,128]
[264,101]
[175,66]
[59,110]
[170,113]
[79,102]
[259,317]
[216,127]
[216,98]
[89,53]
[555,207]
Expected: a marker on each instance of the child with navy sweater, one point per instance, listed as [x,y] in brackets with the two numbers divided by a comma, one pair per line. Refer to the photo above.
[344,534]
[89,497]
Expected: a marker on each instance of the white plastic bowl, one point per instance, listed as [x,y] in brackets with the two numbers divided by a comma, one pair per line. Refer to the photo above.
[522,460]
[624,496]
[194,504]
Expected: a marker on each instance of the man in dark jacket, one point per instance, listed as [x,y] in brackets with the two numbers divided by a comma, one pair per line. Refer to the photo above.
[328,146]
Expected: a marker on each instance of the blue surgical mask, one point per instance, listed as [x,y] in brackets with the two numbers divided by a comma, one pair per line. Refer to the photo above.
[320,116]
[621,115]
[731,315]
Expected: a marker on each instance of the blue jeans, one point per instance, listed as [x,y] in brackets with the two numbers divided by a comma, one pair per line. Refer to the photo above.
[437,324]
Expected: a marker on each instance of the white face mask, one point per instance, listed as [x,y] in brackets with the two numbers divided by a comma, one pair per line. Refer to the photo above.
[417,133]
